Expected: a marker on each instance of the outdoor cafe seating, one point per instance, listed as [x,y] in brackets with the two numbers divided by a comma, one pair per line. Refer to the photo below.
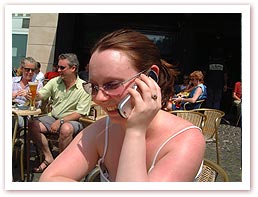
[18,145]
[211,125]
[196,118]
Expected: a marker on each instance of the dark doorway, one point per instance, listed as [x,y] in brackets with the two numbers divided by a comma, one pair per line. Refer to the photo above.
[185,39]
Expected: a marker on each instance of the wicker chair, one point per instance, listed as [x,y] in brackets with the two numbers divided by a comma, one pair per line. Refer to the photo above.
[100,113]
[198,119]
[18,143]
[93,176]
[86,121]
[212,172]
[96,113]
[210,129]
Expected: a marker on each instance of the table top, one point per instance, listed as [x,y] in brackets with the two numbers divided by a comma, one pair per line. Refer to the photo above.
[27,112]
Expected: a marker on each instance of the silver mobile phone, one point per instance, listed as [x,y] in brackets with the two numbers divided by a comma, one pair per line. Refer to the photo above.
[125,106]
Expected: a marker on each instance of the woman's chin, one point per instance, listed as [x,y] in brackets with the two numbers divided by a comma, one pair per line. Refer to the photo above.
[115,116]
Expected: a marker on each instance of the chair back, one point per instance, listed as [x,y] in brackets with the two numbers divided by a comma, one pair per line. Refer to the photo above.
[86,121]
[210,129]
[196,105]
[212,172]
[212,122]
[196,118]
[100,113]
[15,128]
[93,176]
[18,143]
[96,113]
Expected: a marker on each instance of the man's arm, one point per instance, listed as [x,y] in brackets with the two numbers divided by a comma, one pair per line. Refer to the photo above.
[73,116]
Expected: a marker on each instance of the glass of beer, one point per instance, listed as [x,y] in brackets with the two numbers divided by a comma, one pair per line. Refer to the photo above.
[33,89]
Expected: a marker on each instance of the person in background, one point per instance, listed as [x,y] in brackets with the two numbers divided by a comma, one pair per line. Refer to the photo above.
[237,96]
[149,145]
[185,86]
[84,74]
[14,72]
[38,76]
[217,77]
[69,103]
[20,84]
[52,74]
[198,92]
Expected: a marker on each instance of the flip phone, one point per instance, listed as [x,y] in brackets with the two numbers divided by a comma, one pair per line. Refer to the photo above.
[125,106]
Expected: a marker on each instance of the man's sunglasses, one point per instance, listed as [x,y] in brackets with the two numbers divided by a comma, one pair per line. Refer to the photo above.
[29,69]
[61,67]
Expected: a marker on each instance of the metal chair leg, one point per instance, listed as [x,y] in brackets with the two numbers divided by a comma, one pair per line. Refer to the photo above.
[239,117]
[21,162]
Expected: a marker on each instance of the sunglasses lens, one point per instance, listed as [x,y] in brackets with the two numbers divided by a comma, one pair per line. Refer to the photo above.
[29,69]
[61,67]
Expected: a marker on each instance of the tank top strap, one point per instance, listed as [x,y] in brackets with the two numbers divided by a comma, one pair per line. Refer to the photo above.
[164,143]
[106,139]
[103,172]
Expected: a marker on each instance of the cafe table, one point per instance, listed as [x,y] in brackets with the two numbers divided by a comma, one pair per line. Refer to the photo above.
[25,114]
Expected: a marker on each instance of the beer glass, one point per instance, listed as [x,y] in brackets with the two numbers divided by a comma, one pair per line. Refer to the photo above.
[33,89]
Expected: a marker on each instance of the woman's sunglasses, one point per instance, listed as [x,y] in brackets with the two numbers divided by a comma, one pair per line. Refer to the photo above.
[29,69]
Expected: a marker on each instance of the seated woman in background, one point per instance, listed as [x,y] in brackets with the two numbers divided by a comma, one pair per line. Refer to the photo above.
[198,92]
[20,84]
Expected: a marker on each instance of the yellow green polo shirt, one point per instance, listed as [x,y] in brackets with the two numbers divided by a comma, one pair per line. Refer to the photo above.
[66,102]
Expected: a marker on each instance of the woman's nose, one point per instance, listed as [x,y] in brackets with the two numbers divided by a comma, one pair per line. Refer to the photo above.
[101,95]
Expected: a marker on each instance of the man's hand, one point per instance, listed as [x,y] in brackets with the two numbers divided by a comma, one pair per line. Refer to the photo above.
[22,92]
[55,126]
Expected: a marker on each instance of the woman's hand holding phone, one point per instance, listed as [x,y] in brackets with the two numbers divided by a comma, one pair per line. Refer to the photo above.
[125,106]
[145,106]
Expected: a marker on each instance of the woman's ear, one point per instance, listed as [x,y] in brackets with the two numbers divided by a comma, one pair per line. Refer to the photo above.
[155,68]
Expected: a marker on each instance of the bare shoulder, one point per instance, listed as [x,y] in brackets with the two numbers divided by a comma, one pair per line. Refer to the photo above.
[184,130]
[182,150]
[95,129]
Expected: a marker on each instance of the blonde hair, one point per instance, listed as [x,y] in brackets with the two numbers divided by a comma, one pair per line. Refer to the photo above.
[19,72]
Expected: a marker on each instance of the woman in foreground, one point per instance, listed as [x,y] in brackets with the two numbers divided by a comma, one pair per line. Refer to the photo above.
[150,144]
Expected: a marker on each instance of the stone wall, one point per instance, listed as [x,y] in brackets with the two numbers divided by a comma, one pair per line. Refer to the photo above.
[42,38]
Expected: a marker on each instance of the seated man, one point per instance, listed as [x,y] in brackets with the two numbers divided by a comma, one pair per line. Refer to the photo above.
[199,92]
[237,96]
[70,102]
[186,86]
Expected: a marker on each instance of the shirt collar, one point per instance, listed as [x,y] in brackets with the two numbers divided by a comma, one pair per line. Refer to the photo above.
[77,82]
[17,79]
